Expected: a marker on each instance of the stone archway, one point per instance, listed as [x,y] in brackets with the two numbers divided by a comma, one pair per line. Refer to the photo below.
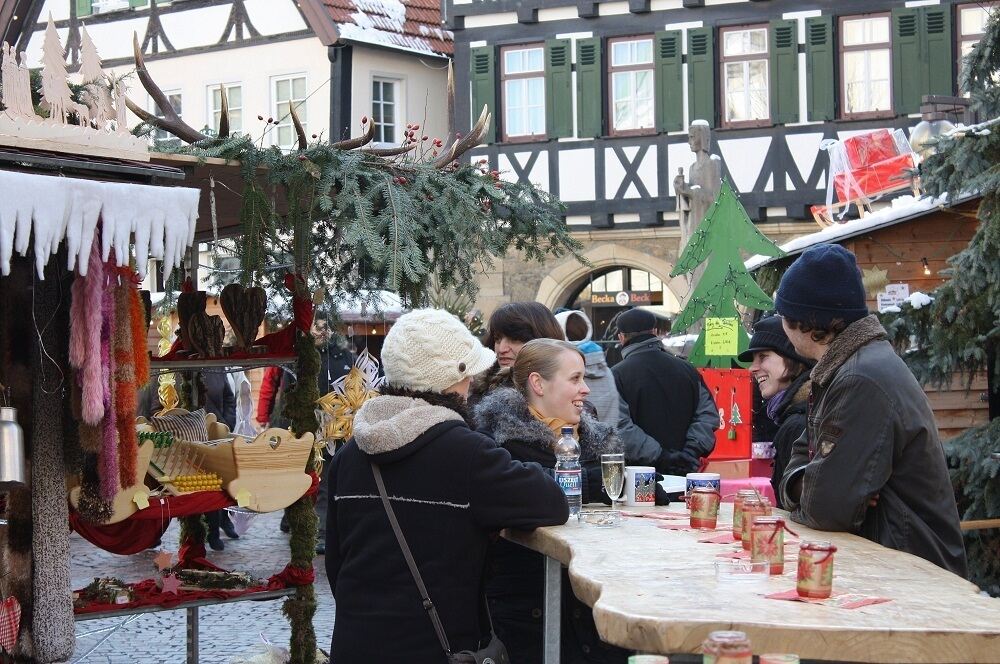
[567,276]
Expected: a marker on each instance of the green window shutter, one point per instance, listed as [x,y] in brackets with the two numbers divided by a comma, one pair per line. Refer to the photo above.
[138,3]
[701,75]
[558,89]
[669,81]
[84,7]
[482,61]
[589,79]
[907,71]
[937,51]
[783,74]
[820,81]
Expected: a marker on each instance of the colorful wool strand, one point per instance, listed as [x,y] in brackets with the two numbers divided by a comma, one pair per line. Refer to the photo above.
[109,442]
[137,316]
[92,378]
[124,382]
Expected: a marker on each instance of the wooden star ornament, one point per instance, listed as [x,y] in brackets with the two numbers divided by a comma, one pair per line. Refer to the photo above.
[171,584]
[163,560]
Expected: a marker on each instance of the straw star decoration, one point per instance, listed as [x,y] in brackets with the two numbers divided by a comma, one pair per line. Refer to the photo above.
[347,395]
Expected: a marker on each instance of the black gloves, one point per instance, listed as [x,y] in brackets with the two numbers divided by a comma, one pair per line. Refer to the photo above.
[677,462]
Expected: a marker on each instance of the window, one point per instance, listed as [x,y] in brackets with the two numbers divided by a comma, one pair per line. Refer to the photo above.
[161,138]
[866,58]
[385,110]
[522,77]
[972,21]
[630,79]
[286,91]
[88,7]
[234,97]
[745,76]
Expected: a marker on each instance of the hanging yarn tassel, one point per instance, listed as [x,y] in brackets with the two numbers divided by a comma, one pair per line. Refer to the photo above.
[88,318]
[77,329]
[137,317]
[109,443]
[124,378]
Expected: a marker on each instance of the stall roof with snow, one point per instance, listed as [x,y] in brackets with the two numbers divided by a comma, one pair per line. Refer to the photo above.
[413,26]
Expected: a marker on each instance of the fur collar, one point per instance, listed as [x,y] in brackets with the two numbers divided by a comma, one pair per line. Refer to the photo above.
[859,333]
[389,422]
[494,377]
[504,415]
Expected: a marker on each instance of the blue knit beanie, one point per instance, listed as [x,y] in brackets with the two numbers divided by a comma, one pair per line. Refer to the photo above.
[824,284]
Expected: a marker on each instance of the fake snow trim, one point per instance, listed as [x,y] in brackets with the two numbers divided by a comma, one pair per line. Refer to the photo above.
[54,209]
[901,208]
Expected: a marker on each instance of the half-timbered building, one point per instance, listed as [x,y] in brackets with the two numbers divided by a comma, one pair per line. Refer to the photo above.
[592,100]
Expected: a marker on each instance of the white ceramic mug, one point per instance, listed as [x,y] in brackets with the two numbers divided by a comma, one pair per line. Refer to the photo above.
[640,486]
[713,480]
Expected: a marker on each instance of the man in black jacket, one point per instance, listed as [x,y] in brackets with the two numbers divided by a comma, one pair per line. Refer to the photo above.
[666,397]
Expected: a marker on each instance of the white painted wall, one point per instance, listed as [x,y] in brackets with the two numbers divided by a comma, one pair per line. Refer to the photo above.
[423,85]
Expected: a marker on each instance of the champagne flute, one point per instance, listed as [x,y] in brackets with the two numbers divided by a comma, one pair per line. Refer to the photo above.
[613,475]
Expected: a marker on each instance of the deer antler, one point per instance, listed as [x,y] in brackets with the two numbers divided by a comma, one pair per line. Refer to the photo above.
[390,152]
[468,141]
[364,139]
[170,121]
[299,129]
[224,113]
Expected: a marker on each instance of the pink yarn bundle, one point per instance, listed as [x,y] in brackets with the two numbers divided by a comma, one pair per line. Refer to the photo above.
[85,338]
[108,466]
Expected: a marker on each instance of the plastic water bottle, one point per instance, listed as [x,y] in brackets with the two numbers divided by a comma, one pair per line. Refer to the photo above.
[568,472]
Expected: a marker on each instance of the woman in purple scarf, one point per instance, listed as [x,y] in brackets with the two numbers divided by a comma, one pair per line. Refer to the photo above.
[783,378]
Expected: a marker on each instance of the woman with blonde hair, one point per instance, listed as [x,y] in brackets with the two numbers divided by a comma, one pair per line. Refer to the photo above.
[548,393]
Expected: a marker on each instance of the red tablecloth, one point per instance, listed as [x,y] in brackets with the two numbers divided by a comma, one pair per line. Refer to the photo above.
[761,484]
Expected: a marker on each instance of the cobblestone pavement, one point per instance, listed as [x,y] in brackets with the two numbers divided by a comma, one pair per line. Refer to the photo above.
[227,630]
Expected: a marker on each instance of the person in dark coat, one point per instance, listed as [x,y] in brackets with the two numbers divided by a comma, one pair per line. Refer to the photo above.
[450,487]
[782,375]
[870,462]
[526,420]
[666,398]
[511,326]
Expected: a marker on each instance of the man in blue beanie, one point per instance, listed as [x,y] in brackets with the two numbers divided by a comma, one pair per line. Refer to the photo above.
[870,461]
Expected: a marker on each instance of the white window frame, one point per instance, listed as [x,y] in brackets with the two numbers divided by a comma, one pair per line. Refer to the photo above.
[280,121]
[158,135]
[844,49]
[522,78]
[745,59]
[398,108]
[968,39]
[211,111]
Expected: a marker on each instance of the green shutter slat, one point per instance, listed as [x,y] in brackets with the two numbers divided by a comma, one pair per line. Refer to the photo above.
[937,51]
[820,83]
[84,7]
[138,3]
[669,80]
[907,72]
[558,89]
[701,75]
[783,74]
[482,63]
[589,80]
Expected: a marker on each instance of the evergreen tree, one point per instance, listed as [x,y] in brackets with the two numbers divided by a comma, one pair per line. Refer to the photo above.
[90,61]
[56,95]
[720,240]
[959,332]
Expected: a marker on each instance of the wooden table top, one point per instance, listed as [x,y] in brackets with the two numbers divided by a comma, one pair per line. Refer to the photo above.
[655,590]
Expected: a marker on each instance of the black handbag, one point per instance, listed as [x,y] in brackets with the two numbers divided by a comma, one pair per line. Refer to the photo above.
[495,652]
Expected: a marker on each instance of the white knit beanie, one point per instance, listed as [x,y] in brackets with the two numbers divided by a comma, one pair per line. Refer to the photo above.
[563,316]
[429,350]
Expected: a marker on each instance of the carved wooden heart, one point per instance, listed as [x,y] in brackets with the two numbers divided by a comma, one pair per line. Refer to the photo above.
[188,305]
[244,309]
[206,334]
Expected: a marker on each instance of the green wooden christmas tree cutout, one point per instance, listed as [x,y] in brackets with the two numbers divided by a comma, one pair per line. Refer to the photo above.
[725,232]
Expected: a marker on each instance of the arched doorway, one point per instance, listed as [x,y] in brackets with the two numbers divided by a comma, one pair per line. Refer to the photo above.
[609,291]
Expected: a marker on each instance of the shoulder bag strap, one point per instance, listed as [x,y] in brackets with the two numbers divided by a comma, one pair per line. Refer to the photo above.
[428,604]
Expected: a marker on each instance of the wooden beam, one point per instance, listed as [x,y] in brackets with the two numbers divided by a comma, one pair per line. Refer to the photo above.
[980,524]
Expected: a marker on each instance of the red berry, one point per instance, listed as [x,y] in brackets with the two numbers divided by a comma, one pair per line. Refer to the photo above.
[424,138]
[434,153]
[416,126]
[270,120]
[260,117]
[364,119]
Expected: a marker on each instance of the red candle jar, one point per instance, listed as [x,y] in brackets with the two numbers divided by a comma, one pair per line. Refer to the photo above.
[815,576]
[767,542]
[704,503]
[727,648]
[752,508]
[741,495]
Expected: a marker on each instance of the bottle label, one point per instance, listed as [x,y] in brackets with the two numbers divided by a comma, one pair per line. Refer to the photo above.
[569,482]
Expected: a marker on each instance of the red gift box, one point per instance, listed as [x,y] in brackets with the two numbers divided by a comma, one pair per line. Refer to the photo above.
[870,149]
[889,175]
[732,390]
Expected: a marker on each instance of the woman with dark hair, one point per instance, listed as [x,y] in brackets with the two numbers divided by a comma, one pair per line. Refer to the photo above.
[548,393]
[510,327]
[782,375]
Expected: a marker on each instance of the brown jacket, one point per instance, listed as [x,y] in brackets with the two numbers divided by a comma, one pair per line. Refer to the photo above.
[870,431]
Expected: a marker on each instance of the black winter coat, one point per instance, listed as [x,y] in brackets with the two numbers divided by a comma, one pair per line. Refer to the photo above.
[791,421]
[450,488]
[515,582]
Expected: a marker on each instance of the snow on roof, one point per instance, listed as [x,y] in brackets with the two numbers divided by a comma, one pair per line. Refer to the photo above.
[902,208]
[407,25]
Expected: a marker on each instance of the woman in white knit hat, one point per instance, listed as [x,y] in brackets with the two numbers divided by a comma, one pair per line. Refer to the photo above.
[450,488]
